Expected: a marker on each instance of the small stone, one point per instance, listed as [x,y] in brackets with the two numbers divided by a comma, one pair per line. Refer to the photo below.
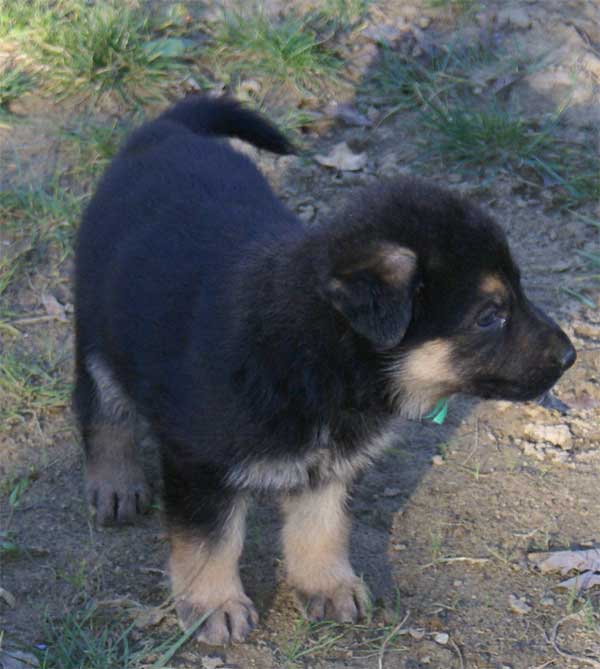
[399,547]
[518,605]
[212,662]
[547,601]
[383,33]
[417,633]
[559,435]
[514,16]
[306,213]
[424,22]
[442,638]
[391,492]
[437,460]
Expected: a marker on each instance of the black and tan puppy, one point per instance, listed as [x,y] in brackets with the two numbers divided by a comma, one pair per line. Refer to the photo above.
[264,356]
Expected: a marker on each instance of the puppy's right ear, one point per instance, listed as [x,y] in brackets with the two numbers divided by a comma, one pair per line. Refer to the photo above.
[374,292]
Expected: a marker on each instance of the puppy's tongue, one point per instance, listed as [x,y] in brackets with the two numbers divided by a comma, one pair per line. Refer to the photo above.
[439,412]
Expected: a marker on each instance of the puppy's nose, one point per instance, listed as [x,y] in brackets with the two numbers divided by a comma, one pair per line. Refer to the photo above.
[567,357]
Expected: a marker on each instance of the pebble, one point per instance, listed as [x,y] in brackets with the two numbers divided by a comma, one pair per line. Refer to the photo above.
[399,547]
[547,601]
[437,460]
[442,638]
[514,16]
[391,492]
[416,633]
[559,435]
[306,213]
[518,605]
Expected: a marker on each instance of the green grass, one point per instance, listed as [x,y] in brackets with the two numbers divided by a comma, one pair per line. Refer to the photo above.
[89,147]
[404,82]
[495,138]
[453,5]
[90,51]
[39,221]
[14,82]
[30,385]
[287,51]
[88,639]
[310,640]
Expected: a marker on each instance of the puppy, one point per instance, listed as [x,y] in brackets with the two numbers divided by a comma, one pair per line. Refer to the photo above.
[266,356]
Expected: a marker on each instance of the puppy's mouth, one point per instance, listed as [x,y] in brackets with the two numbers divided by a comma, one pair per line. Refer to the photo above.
[502,389]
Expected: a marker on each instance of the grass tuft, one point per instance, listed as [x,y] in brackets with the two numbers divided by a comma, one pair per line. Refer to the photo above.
[86,639]
[105,48]
[452,5]
[495,138]
[288,50]
[14,82]
[30,386]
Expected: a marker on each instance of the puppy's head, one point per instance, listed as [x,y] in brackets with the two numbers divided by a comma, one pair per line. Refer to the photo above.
[427,279]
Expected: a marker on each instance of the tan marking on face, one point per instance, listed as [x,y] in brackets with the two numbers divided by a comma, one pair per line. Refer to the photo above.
[492,284]
[205,574]
[315,539]
[422,376]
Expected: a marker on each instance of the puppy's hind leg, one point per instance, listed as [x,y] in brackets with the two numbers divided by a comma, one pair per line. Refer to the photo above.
[116,486]
[206,526]
[315,546]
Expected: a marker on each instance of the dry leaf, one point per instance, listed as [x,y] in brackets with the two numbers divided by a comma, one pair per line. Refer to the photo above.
[342,158]
[8,597]
[348,114]
[518,605]
[565,561]
[16,659]
[53,307]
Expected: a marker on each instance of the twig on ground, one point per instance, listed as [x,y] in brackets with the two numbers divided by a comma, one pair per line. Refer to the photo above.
[592,662]
[388,638]
[458,653]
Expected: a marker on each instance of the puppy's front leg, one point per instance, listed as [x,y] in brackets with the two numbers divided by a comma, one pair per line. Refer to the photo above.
[315,545]
[207,525]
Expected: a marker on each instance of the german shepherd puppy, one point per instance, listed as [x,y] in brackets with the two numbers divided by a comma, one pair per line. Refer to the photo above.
[266,356]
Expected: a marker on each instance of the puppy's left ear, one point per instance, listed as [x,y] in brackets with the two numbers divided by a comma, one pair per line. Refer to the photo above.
[374,292]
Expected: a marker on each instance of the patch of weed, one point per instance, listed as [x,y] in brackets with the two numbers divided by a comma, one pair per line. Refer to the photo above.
[496,138]
[90,147]
[85,639]
[404,82]
[30,386]
[14,82]
[287,51]
[367,641]
[105,48]
[35,219]
[453,5]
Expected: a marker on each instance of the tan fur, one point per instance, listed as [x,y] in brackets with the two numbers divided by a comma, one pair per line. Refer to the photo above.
[422,377]
[491,284]
[206,575]
[392,263]
[315,539]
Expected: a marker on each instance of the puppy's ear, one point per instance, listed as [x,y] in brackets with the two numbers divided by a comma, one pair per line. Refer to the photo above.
[374,291]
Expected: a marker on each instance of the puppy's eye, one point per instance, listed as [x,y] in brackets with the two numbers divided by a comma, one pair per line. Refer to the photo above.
[491,317]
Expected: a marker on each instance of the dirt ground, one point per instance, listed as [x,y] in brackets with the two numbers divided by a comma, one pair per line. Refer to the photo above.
[444,523]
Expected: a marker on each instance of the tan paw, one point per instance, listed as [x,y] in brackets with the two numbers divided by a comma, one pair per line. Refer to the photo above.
[347,603]
[231,622]
[118,496]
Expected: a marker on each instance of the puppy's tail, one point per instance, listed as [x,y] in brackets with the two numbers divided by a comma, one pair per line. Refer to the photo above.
[224,116]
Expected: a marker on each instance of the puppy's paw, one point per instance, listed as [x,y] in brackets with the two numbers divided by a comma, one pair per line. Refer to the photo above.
[231,622]
[346,603]
[118,496]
